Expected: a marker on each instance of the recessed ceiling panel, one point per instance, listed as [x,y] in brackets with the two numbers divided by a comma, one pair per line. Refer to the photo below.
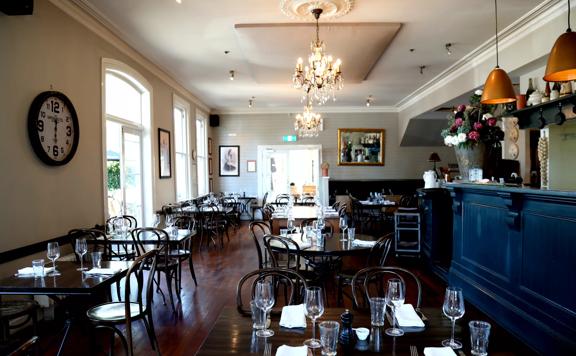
[271,50]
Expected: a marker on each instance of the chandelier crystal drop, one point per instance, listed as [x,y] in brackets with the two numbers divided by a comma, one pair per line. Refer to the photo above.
[308,123]
[322,76]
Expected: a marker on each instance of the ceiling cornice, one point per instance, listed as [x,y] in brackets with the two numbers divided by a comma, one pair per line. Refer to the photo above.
[96,22]
[298,109]
[531,21]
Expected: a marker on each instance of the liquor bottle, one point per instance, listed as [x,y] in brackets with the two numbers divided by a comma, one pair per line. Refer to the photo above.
[547,90]
[530,89]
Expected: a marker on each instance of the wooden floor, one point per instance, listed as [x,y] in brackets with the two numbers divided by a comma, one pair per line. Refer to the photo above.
[218,271]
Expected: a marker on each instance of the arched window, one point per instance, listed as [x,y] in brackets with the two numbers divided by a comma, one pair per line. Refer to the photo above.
[127,143]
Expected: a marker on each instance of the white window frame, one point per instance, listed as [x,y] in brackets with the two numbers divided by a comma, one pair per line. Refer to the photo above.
[202,160]
[184,106]
[148,162]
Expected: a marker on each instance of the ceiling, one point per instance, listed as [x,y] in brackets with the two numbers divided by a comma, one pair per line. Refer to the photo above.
[189,41]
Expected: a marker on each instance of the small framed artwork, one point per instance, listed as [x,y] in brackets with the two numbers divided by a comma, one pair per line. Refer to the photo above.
[209,146]
[210,169]
[210,184]
[251,165]
[229,161]
[165,167]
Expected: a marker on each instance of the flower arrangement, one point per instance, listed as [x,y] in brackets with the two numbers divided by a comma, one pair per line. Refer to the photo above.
[471,124]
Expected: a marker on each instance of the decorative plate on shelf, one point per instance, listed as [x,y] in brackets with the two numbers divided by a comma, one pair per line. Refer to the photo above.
[513,134]
[513,150]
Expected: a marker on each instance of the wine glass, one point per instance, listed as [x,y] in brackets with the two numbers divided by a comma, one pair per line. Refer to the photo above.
[290,226]
[395,294]
[169,221]
[320,224]
[81,249]
[343,226]
[53,252]
[314,301]
[453,308]
[156,220]
[264,299]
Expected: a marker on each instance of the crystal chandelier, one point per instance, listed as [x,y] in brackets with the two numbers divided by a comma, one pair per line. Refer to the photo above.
[321,77]
[309,123]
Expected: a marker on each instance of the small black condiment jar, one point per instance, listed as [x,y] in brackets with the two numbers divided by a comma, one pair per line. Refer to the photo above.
[347,337]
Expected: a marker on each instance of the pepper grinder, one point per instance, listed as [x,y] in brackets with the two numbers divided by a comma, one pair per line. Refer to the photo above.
[347,337]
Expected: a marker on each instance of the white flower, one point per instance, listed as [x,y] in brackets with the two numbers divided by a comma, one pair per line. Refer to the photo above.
[478,92]
[461,137]
[448,141]
[487,116]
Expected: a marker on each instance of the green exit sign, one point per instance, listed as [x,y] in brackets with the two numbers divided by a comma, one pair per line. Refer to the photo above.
[289,138]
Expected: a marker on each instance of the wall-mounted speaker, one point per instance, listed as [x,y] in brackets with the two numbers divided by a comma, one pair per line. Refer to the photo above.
[214,120]
[17,7]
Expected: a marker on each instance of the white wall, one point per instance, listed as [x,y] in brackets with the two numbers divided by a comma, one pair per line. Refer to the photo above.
[51,50]
[249,131]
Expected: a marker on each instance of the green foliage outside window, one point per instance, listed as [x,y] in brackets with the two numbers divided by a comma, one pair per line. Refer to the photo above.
[113,175]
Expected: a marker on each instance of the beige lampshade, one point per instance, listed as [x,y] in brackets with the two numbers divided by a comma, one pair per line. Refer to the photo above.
[561,65]
[498,88]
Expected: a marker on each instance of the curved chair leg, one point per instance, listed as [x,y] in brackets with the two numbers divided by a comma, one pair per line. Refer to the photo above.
[191,266]
[169,284]
[149,326]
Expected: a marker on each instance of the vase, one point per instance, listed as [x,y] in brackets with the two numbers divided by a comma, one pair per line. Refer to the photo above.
[470,157]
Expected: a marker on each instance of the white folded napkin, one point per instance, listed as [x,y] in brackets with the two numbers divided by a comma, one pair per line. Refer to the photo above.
[407,317]
[104,271]
[293,316]
[363,243]
[286,350]
[438,351]
[29,271]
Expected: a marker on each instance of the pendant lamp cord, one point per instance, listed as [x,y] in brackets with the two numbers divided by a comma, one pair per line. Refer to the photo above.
[496,29]
[569,27]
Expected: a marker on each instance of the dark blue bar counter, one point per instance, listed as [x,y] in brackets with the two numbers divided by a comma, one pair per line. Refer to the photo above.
[514,254]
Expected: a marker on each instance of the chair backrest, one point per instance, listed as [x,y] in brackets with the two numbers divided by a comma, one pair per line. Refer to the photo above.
[185,222]
[308,200]
[336,205]
[91,235]
[264,198]
[282,199]
[286,253]
[372,281]
[127,220]
[342,210]
[293,281]
[160,241]
[28,348]
[267,212]
[138,288]
[380,251]
[328,227]
[258,230]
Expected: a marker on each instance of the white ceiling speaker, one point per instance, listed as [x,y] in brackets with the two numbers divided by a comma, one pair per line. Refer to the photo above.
[301,9]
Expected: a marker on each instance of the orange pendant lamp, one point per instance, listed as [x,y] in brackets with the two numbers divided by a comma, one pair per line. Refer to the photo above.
[498,87]
[561,65]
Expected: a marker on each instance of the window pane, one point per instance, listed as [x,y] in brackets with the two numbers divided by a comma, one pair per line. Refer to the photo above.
[180,133]
[122,99]
[181,177]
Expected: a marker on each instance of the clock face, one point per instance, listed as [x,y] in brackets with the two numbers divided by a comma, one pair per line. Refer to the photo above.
[53,128]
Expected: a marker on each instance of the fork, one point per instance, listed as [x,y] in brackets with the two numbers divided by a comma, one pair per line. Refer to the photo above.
[268,349]
[413,350]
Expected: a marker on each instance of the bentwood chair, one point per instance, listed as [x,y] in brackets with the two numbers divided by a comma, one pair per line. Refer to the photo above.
[259,207]
[166,263]
[184,252]
[293,282]
[14,314]
[376,258]
[371,281]
[136,304]
[258,230]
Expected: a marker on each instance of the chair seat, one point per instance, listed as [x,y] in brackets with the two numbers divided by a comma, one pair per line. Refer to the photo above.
[112,312]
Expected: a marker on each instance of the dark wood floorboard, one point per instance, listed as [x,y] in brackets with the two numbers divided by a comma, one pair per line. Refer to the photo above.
[217,272]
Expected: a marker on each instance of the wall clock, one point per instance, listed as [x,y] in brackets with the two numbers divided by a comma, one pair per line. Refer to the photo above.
[53,128]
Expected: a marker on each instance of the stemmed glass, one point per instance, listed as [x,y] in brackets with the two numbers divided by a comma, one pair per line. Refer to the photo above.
[320,224]
[264,299]
[290,226]
[81,249]
[395,294]
[314,301]
[453,308]
[156,220]
[169,221]
[344,227]
[53,252]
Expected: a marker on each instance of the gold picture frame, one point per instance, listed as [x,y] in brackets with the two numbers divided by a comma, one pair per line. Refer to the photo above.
[361,147]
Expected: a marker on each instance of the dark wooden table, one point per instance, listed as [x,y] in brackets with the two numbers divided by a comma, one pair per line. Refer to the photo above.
[70,283]
[300,213]
[233,335]
[333,245]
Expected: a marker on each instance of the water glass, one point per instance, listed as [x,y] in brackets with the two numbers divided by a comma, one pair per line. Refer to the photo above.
[96,259]
[38,268]
[319,238]
[479,334]
[351,233]
[329,337]
[283,232]
[377,311]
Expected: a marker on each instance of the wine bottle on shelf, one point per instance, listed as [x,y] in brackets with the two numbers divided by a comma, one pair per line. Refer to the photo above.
[530,89]
[547,90]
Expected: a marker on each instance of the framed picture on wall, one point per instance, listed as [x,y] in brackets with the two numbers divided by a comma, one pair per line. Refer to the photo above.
[251,165]
[210,185]
[209,146]
[210,169]
[229,161]
[165,168]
